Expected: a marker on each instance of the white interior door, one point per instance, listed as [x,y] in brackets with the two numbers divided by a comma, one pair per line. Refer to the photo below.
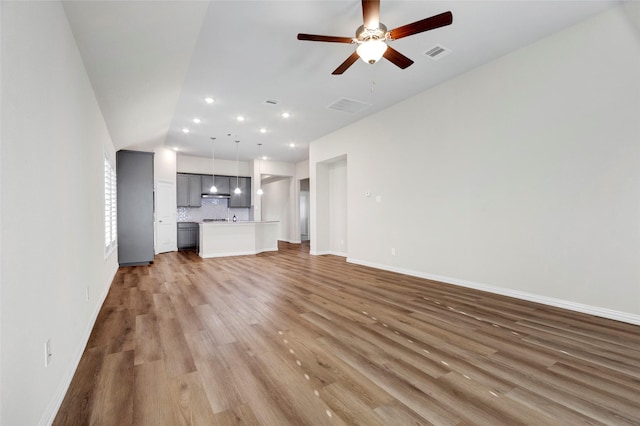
[166,232]
[304,215]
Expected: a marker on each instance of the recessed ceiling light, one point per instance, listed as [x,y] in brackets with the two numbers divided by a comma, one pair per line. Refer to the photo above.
[196,120]
[292,145]
[263,130]
[185,130]
[208,100]
[264,157]
[286,115]
[240,118]
[175,148]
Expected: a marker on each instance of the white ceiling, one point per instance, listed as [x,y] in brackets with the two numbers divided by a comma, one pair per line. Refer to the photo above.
[152,63]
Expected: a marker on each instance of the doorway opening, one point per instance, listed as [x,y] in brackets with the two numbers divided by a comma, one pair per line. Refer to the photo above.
[305,206]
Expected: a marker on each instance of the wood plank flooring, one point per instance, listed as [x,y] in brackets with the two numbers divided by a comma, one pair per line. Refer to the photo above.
[285,338]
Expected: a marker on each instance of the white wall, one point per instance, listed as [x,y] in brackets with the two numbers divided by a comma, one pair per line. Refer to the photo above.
[202,165]
[338,208]
[293,173]
[301,173]
[329,206]
[164,165]
[276,205]
[521,176]
[302,170]
[278,168]
[53,140]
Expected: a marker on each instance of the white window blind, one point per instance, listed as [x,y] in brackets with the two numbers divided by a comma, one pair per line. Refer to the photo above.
[110,207]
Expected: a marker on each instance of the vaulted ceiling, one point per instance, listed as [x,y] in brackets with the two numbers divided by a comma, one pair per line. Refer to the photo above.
[153,63]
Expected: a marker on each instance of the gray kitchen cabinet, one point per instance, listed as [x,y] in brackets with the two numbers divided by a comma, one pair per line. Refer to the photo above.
[188,235]
[188,190]
[207,180]
[222,184]
[243,199]
[195,190]
[135,207]
[182,190]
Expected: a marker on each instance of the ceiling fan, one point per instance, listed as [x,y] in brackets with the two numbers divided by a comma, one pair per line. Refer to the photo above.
[372,36]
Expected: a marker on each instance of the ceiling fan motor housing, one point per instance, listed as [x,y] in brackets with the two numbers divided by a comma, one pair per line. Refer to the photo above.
[365,34]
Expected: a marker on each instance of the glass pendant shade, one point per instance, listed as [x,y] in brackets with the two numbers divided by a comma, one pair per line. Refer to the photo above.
[371,51]
[237,190]
[213,189]
[259,191]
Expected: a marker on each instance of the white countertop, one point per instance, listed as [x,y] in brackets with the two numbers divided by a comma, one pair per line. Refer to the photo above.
[240,222]
[224,222]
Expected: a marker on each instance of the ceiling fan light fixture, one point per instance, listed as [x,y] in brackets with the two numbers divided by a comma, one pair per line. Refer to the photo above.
[371,50]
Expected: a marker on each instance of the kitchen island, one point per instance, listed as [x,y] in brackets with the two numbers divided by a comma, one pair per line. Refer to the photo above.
[218,239]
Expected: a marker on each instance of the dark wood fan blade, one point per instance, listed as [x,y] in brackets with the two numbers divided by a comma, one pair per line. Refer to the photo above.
[330,39]
[426,24]
[346,64]
[371,13]
[397,58]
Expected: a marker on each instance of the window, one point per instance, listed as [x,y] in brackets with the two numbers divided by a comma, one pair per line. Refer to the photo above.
[110,210]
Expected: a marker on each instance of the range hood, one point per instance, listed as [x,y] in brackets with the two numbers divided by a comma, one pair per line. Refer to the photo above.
[216,195]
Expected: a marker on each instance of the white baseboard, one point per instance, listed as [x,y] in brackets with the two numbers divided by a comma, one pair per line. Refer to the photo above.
[559,303]
[54,405]
[334,253]
[236,253]
[168,251]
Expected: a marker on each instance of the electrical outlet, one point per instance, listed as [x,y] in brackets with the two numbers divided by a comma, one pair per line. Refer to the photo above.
[367,194]
[47,353]
[393,252]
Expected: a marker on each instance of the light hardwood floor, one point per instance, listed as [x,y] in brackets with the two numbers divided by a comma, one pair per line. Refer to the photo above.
[288,338]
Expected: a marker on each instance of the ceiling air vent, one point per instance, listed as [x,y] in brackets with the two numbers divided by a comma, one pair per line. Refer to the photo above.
[348,105]
[271,102]
[437,52]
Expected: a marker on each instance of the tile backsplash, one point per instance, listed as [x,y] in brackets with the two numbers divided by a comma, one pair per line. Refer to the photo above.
[212,208]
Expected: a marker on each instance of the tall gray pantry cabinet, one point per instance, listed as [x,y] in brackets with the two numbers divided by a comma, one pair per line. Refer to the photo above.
[135,207]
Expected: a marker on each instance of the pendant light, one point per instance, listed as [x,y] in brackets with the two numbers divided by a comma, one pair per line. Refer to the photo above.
[260,191]
[237,190]
[213,188]
[371,50]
